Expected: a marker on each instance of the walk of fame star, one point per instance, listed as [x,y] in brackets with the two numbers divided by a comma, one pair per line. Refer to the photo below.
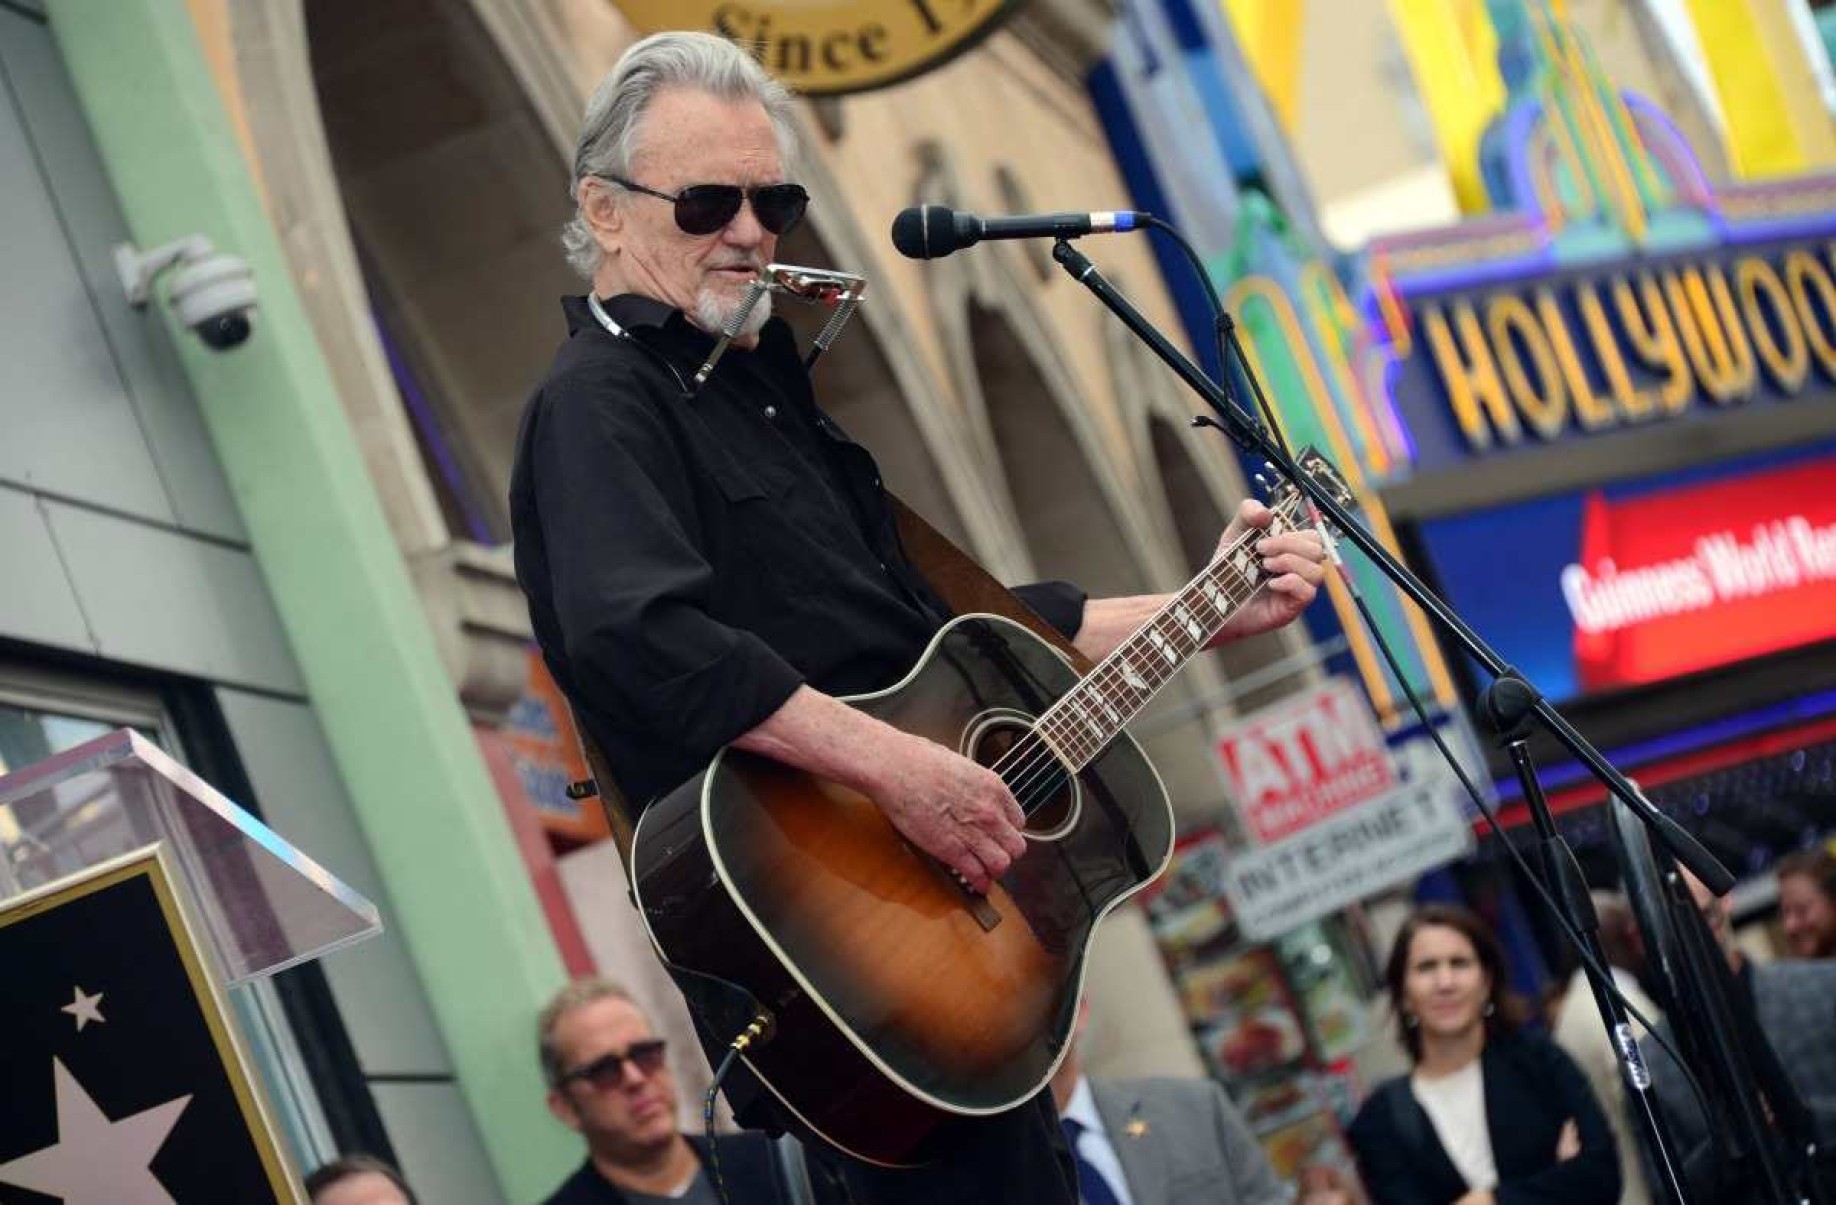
[85,1008]
[96,1161]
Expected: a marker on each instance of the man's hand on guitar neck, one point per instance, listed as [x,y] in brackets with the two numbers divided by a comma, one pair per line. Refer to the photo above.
[958,812]
[1295,561]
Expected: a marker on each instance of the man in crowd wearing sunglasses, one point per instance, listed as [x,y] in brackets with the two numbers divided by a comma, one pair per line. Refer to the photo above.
[609,1081]
[713,565]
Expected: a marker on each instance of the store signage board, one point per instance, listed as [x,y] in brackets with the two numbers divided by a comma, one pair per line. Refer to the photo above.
[833,48]
[1639,583]
[125,1081]
[539,742]
[1540,358]
[1307,757]
[1347,857]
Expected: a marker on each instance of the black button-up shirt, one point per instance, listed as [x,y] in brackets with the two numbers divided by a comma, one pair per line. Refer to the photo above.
[690,560]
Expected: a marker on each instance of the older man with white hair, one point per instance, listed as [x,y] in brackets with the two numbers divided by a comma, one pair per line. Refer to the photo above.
[713,566]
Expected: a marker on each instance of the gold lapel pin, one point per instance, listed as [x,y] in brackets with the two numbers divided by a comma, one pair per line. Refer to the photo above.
[1135,1128]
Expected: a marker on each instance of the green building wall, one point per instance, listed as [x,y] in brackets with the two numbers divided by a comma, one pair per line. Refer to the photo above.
[424,800]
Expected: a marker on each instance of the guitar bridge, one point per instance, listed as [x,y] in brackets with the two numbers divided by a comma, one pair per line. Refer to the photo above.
[985,913]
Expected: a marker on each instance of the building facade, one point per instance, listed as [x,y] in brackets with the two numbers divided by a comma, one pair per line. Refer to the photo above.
[287,561]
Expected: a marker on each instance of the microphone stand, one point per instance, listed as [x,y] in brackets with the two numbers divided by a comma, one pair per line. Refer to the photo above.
[1506,708]
[1251,437]
[1255,440]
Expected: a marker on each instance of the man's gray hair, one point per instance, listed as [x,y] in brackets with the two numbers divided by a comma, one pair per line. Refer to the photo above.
[609,135]
[577,994]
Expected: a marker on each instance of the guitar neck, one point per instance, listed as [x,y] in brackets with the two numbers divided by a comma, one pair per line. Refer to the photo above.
[1094,712]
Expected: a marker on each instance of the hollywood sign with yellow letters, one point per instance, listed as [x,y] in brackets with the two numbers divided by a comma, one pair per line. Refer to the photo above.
[1606,347]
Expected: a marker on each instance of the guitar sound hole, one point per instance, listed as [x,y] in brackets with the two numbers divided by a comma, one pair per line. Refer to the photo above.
[1005,743]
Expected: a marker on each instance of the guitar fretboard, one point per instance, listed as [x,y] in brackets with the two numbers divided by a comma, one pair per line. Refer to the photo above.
[1093,713]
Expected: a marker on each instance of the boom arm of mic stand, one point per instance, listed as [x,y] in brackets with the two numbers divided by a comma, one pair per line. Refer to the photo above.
[1250,436]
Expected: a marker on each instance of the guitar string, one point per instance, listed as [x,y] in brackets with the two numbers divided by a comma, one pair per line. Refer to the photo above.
[1042,758]
[1054,765]
[1030,788]
[1057,732]
[1047,771]
[1040,754]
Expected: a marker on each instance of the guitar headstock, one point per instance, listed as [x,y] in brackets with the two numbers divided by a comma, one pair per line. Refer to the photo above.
[1287,500]
[1319,470]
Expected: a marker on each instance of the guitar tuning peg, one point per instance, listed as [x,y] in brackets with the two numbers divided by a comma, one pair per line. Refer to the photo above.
[1264,487]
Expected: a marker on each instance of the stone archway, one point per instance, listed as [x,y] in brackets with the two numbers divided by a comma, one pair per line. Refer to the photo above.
[455,198]
[1193,513]
[1072,531]
[1058,497]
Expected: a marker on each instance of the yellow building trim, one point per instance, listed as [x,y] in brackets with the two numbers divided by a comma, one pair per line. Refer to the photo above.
[1453,52]
[1775,123]
[1270,36]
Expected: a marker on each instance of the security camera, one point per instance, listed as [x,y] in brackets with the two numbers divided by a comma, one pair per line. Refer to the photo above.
[212,293]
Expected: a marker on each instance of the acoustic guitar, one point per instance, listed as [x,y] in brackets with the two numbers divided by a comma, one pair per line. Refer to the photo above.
[896,998]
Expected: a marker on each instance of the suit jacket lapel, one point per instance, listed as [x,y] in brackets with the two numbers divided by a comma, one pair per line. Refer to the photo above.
[1143,1164]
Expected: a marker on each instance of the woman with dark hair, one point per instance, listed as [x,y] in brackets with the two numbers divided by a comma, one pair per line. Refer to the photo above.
[1491,1115]
[1807,902]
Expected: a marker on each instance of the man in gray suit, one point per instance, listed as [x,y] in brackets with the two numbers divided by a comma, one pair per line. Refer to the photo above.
[1166,1141]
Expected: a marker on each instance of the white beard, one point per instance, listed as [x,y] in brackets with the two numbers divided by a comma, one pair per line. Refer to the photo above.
[713,311]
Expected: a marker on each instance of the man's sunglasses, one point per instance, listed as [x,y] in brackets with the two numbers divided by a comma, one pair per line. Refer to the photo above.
[705,208]
[608,1071]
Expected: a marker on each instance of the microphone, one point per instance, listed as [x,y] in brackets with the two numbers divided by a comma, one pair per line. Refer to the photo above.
[931,231]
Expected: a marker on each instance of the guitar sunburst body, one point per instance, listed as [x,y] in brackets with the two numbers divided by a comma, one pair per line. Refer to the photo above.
[899,999]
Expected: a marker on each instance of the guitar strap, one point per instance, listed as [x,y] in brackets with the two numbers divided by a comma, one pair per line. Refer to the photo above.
[962,584]
[965,586]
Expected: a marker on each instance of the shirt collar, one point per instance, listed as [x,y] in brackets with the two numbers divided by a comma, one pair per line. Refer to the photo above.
[682,340]
[632,311]
[1082,1109]
[629,310]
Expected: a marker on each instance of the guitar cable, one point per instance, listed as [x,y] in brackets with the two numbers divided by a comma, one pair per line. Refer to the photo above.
[759,1029]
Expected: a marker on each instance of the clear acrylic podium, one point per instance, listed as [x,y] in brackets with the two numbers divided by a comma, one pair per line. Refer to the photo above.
[260,904]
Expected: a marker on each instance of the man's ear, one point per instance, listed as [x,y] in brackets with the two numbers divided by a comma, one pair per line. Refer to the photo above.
[563,1109]
[600,207]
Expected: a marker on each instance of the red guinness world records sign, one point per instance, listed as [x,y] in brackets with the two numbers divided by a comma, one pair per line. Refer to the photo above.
[830,49]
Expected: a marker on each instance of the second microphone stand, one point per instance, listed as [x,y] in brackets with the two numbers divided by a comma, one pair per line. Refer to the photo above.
[1506,706]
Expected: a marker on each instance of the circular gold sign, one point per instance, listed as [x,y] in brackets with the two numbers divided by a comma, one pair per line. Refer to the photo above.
[827,48]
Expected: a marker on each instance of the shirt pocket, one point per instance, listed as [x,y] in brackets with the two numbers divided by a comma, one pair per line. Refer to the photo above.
[770,556]
[736,484]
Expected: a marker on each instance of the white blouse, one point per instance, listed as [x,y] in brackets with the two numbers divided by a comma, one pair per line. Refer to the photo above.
[1455,1105]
